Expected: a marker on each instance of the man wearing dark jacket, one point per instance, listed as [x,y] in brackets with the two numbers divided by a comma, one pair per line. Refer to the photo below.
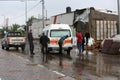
[30,40]
[83,42]
[44,40]
[87,36]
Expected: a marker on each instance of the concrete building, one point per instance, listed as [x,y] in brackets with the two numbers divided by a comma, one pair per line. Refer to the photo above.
[100,23]
[37,27]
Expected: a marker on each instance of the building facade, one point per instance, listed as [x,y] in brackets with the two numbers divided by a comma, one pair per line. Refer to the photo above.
[37,26]
[100,24]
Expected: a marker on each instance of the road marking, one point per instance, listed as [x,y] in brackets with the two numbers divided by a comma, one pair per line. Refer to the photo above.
[59,73]
[41,66]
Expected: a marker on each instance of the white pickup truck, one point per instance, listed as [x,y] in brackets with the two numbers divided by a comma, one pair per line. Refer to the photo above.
[13,39]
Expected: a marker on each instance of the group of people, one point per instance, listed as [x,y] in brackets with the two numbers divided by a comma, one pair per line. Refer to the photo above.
[81,40]
[44,40]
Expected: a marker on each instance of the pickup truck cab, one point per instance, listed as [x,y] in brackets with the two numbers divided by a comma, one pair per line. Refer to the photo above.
[13,39]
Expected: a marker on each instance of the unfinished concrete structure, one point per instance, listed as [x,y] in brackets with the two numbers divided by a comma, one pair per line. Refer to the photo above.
[100,24]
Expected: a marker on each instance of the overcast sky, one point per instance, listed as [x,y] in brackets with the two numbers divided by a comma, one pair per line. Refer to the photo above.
[15,10]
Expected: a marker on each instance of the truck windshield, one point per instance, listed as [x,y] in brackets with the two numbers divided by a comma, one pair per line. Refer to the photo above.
[59,33]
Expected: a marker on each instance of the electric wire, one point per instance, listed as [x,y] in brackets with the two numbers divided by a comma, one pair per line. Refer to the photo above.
[27,11]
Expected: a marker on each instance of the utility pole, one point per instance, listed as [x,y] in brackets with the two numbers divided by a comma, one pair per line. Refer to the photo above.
[26,12]
[27,47]
[4,21]
[43,7]
[118,16]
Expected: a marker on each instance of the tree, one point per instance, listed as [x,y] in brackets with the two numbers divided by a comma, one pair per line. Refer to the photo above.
[2,31]
[30,21]
[15,27]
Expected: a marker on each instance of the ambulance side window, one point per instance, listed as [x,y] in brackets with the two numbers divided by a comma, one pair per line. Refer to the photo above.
[47,33]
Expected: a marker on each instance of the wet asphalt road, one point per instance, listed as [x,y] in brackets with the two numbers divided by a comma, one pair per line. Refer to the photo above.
[93,65]
[15,65]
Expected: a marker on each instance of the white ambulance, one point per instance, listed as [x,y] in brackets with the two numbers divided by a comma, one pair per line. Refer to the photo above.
[55,32]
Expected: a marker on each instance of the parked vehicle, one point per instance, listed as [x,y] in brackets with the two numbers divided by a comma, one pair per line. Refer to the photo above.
[13,39]
[55,32]
[111,45]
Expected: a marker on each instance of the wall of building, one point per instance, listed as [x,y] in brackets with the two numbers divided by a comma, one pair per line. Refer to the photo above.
[37,27]
[66,18]
[102,25]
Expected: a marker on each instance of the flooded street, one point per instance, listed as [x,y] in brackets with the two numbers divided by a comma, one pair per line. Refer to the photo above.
[61,30]
[16,65]
[92,65]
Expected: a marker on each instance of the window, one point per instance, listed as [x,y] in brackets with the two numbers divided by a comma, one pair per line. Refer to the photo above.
[14,34]
[59,33]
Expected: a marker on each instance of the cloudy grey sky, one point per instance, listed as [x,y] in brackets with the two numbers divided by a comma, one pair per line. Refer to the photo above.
[15,10]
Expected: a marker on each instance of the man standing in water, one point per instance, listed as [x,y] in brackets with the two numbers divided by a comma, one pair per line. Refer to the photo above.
[44,40]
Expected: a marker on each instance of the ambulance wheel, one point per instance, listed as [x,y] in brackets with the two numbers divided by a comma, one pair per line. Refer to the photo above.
[7,48]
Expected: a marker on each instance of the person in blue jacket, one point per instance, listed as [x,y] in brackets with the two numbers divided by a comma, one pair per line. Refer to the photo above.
[60,42]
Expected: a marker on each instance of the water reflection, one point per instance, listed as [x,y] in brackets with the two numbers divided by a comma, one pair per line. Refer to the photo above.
[107,64]
[45,57]
[99,64]
[78,67]
[91,63]
[80,62]
[86,55]
[61,60]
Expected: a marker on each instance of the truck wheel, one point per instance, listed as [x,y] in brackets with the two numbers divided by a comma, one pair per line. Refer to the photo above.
[7,48]
[23,48]
[16,48]
[48,52]
[2,47]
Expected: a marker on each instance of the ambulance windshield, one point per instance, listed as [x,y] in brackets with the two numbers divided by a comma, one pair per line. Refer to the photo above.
[60,33]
